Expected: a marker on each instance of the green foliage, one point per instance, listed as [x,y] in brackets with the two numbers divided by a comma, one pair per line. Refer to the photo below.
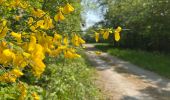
[8,91]
[155,62]
[67,80]
[147,19]
[11,91]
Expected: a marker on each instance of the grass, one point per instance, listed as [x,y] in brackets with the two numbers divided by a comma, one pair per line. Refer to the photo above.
[156,62]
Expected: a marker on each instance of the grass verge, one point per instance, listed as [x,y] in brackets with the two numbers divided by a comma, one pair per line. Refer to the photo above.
[156,62]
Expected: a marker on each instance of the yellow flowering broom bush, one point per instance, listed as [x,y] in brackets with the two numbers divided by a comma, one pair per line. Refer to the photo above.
[30,33]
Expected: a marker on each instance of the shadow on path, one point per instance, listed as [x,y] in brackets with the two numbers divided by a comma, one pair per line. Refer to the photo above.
[125,81]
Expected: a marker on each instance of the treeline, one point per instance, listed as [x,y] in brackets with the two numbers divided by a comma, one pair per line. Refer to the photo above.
[148,21]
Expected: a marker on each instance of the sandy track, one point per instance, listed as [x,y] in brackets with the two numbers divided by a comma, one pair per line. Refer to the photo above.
[121,80]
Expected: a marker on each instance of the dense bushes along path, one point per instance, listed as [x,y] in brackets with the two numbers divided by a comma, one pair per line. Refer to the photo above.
[120,80]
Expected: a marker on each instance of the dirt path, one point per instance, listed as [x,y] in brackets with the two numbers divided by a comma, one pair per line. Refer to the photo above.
[121,80]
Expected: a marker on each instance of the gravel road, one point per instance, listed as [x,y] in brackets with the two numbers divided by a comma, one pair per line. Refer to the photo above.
[121,80]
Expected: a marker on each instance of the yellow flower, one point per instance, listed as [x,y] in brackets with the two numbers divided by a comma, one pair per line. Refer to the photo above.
[81,41]
[15,3]
[40,23]
[20,61]
[117,33]
[68,8]
[30,20]
[38,12]
[119,29]
[48,23]
[8,53]
[38,52]
[67,54]
[55,53]
[24,5]
[47,50]
[75,40]
[32,28]
[7,56]
[37,55]
[4,22]
[77,56]
[59,16]
[110,30]
[57,39]
[57,36]
[7,78]
[106,35]
[23,91]
[17,72]
[62,47]
[17,18]
[27,55]
[32,43]
[117,36]
[35,96]
[3,44]
[98,52]
[96,36]
[17,36]
[70,53]
[11,76]
[38,66]
[3,32]
[65,41]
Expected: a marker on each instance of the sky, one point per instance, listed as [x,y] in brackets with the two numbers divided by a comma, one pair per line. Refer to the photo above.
[92,13]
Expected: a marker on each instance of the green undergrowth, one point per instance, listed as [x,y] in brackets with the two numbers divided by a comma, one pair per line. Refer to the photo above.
[62,80]
[70,79]
[153,61]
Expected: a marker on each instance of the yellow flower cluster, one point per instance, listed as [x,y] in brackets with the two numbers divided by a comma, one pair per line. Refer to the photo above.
[3,28]
[34,51]
[23,91]
[17,36]
[35,96]
[106,32]
[66,10]
[15,3]
[38,12]
[20,53]
[46,23]
[70,53]
[11,76]
[77,41]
